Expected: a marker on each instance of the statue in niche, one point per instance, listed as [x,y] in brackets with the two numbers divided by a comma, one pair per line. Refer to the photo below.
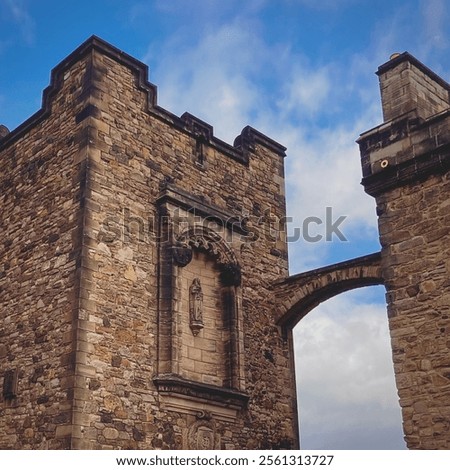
[196,306]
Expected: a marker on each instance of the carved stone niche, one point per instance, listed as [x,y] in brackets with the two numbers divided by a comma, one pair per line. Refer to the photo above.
[200,327]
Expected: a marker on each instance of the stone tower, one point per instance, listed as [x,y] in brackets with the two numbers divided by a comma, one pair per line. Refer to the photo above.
[405,164]
[136,259]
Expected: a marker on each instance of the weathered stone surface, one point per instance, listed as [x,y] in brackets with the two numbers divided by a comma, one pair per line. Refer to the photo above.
[83,271]
[412,194]
[113,209]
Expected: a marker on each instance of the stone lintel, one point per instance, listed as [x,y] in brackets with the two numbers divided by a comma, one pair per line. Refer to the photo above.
[176,386]
[182,404]
[198,207]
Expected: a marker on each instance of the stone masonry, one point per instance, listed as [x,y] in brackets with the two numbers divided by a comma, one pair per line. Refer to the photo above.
[406,165]
[112,210]
[145,300]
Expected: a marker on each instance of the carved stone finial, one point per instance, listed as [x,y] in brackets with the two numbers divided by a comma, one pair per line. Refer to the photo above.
[196,307]
[4,131]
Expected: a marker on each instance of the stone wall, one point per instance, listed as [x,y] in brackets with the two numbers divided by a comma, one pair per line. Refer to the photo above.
[406,164]
[416,251]
[41,224]
[138,149]
[94,297]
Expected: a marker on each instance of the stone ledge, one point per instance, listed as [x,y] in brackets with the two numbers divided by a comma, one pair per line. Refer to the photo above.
[413,170]
[196,206]
[176,386]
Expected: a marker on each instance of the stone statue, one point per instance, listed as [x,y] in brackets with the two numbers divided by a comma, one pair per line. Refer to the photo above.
[196,306]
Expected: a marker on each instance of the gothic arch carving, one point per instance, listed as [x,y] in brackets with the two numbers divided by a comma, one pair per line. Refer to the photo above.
[205,239]
[297,295]
[200,325]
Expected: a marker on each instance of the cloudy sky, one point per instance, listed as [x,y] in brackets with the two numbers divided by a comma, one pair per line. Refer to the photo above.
[301,71]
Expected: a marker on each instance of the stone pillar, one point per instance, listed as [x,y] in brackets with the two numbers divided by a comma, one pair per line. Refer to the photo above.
[407,85]
[405,163]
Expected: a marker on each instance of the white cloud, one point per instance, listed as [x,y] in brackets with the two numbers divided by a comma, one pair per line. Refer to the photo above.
[212,78]
[345,375]
[435,23]
[323,170]
[306,91]
[222,78]
[17,9]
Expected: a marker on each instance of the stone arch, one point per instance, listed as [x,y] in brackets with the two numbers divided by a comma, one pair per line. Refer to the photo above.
[205,239]
[297,295]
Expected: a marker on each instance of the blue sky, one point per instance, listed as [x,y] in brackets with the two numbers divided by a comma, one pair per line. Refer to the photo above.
[301,71]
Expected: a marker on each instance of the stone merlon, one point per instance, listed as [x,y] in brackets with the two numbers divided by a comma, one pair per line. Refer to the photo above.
[243,146]
[407,85]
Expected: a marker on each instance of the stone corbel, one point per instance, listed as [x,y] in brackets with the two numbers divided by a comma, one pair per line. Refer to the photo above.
[182,255]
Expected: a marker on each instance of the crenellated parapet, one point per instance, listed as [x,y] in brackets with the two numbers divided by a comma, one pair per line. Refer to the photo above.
[200,131]
[414,140]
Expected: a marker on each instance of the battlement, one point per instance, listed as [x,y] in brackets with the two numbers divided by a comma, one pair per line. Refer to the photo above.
[414,139]
[241,149]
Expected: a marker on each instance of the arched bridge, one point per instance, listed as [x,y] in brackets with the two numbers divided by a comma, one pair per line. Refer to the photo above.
[299,294]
